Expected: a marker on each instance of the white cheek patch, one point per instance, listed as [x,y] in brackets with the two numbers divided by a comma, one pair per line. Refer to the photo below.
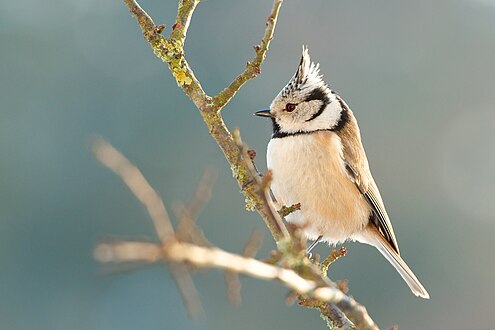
[310,109]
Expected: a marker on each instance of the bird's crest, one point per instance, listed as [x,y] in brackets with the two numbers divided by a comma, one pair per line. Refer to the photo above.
[306,78]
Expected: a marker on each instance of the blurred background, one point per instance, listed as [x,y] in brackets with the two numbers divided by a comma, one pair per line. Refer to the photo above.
[419,75]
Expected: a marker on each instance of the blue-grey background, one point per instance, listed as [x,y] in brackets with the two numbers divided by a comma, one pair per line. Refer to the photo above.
[419,75]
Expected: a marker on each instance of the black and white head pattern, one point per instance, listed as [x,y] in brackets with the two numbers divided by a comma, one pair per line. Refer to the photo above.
[306,104]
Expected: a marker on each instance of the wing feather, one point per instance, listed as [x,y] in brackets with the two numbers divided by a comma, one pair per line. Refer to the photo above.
[380,217]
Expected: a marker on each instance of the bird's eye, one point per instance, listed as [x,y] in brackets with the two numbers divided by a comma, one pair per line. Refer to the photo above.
[290,107]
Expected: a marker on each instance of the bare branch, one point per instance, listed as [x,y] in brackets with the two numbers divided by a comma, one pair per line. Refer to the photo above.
[232,278]
[187,229]
[334,317]
[334,256]
[119,251]
[203,192]
[357,313]
[145,22]
[206,257]
[261,187]
[188,215]
[253,244]
[286,210]
[233,284]
[253,68]
[187,290]
[139,186]
[171,51]
[184,15]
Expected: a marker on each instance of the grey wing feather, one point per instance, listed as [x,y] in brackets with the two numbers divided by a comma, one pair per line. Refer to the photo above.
[380,217]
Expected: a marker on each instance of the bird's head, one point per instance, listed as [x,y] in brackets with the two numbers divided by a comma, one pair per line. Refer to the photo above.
[305,104]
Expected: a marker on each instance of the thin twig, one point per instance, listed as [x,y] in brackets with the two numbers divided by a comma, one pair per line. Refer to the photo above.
[334,256]
[262,187]
[253,68]
[120,251]
[187,290]
[232,278]
[184,15]
[171,51]
[187,229]
[188,215]
[334,317]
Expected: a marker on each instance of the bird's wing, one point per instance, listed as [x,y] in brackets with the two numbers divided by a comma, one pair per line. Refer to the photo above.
[380,217]
[358,170]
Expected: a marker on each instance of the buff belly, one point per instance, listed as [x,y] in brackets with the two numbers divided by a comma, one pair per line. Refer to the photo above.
[309,169]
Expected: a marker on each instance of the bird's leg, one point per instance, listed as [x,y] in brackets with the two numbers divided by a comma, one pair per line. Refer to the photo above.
[316,241]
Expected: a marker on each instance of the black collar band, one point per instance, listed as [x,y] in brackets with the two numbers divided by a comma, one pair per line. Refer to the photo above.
[279,135]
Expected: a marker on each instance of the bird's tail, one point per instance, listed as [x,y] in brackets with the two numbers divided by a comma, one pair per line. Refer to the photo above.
[373,237]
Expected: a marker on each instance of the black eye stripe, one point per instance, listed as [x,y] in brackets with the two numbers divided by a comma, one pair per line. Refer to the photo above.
[318,94]
[321,95]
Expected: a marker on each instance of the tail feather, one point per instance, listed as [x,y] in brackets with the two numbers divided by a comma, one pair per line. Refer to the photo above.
[373,237]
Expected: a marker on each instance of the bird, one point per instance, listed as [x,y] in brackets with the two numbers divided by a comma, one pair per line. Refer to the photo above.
[318,160]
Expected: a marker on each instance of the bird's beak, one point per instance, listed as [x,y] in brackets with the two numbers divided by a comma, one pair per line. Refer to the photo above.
[264,113]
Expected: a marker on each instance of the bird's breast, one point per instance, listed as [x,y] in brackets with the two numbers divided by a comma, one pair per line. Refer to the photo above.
[309,169]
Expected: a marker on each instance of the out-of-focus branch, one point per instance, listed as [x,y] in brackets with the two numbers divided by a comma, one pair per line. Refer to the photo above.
[206,257]
[232,278]
[137,183]
[188,215]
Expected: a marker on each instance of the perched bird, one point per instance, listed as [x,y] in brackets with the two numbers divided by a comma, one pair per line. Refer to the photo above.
[318,160]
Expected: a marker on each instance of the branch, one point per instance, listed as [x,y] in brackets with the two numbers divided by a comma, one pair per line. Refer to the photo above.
[206,257]
[262,188]
[171,51]
[253,68]
[184,15]
[134,179]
